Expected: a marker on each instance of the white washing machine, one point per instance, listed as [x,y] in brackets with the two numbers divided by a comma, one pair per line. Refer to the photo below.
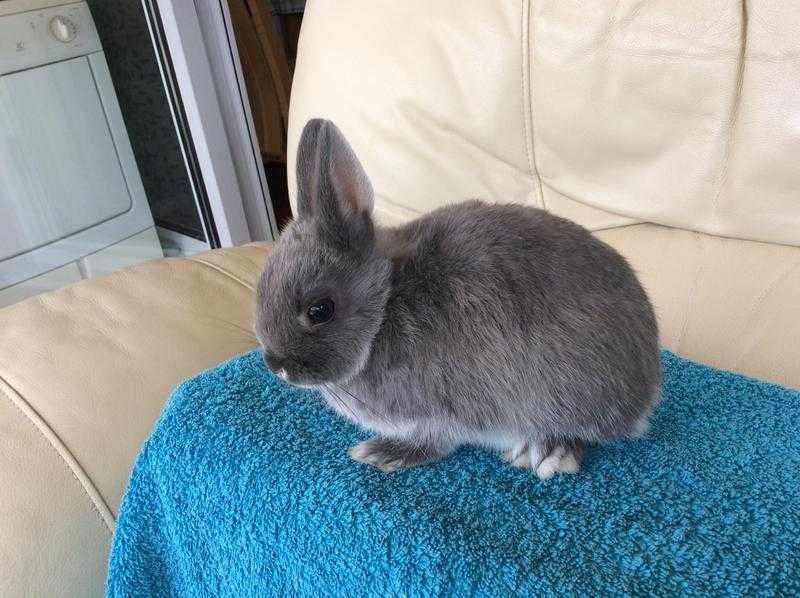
[72,204]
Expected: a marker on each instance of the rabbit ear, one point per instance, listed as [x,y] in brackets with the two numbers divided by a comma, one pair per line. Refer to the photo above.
[331,183]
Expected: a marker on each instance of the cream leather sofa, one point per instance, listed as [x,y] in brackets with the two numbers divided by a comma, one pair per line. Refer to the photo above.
[671,128]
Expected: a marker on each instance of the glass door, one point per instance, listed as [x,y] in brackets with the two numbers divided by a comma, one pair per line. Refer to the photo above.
[186,220]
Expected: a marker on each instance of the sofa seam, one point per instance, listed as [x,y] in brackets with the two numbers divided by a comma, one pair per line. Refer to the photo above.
[223,272]
[761,298]
[64,455]
[692,292]
[583,202]
[735,110]
[527,102]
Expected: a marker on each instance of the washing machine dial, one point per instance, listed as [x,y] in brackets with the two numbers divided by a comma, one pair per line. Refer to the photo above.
[63,29]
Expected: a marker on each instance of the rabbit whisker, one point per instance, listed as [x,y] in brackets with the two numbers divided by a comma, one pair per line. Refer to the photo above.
[339,400]
[362,403]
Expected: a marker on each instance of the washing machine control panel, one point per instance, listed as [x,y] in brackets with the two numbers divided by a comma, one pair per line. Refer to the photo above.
[38,37]
[63,28]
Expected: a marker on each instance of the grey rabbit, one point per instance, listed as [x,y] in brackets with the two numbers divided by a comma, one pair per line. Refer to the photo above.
[500,326]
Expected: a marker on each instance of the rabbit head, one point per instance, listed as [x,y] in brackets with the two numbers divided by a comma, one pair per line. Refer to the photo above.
[323,292]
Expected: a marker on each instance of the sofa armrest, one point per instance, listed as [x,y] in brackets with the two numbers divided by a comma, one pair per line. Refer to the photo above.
[84,373]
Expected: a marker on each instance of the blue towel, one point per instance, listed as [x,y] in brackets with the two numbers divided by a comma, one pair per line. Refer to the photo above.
[244,489]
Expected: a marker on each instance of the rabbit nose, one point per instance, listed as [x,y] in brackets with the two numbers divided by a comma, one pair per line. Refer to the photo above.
[272,362]
[276,364]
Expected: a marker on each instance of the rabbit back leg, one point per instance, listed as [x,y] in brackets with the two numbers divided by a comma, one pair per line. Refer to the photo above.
[391,454]
[519,455]
[546,457]
[559,457]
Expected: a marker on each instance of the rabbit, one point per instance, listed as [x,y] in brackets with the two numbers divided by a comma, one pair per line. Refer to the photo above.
[499,326]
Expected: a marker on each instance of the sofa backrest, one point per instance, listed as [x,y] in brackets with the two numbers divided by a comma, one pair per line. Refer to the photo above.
[675,112]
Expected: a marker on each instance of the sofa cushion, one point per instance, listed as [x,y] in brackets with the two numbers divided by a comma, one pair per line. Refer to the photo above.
[84,373]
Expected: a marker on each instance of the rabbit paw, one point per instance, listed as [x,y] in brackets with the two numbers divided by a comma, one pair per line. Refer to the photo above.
[561,459]
[519,456]
[389,455]
[545,459]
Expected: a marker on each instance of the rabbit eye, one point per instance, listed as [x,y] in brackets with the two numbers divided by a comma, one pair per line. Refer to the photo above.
[320,312]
